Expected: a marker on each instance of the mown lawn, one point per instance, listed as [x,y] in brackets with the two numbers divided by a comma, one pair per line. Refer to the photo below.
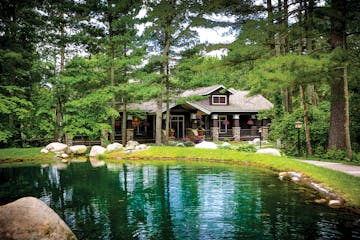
[10,156]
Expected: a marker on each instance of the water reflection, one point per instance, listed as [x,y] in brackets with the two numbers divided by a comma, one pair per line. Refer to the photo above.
[159,201]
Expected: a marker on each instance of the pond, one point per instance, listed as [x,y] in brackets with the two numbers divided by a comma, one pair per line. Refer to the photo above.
[177,200]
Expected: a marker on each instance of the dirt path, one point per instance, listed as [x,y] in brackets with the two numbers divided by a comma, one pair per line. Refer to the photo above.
[349,169]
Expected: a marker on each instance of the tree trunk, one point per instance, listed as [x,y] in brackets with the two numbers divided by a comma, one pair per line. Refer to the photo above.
[347,115]
[123,125]
[306,122]
[271,35]
[287,100]
[112,79]
[158,122]
[337,103]
[59,108]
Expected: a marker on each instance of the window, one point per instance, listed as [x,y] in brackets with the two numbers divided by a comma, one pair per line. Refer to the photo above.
[219,99]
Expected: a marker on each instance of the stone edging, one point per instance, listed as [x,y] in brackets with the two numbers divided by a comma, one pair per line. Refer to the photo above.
[331,199]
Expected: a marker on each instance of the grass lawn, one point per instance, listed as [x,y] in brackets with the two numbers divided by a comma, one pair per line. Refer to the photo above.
[340,183]
[23,155]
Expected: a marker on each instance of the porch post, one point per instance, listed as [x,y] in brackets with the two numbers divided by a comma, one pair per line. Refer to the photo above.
[236,127]
[265,132]
[129,128]
[215,128]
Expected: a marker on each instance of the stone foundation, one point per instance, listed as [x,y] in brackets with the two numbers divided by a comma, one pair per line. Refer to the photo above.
[215,133]
[236,133]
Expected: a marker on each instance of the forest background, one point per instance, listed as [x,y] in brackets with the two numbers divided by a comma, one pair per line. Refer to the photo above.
[67,67]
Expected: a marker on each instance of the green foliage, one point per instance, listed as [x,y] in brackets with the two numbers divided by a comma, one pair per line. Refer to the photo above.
[246,147]
[335,154]
[283,128]
[189,144]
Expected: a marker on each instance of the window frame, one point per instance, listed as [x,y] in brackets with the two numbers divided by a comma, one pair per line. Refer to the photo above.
[219,97]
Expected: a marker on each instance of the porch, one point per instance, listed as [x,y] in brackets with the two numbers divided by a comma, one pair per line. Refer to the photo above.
[215,127]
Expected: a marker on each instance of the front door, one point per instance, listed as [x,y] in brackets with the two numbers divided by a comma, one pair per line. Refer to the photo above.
[223,127]
[177,123]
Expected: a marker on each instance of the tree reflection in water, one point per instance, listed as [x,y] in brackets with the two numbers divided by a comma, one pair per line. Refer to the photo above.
[154,200]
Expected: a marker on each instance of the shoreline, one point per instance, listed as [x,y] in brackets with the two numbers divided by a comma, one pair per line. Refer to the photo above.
[340,185]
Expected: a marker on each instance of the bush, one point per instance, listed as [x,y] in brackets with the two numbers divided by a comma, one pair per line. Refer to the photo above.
[246,147]
[335,154]
[172,143]
[189,144]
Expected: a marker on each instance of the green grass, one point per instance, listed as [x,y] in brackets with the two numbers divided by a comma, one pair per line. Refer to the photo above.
[11,156]
[342,184]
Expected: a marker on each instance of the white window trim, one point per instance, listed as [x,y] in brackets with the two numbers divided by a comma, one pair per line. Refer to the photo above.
[220,96]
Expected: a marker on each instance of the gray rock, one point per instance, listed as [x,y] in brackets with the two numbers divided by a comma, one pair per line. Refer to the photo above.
[57,147]
[206,145]
[44,150]
[30,218]
[97,150]
[114,147]
[131,145]
[141,147]
[335,203]
[77,149]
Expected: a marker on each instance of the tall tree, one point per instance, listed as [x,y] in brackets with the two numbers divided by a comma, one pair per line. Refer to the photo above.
[19,26]
[169,32]
[339,135]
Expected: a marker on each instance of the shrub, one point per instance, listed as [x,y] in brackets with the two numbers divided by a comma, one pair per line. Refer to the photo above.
[172,143]
[335,154]
[246,147]
[189,144]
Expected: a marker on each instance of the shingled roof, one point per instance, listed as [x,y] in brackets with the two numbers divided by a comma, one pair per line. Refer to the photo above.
[239,102]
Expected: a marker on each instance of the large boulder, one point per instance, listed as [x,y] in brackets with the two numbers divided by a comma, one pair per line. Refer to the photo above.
[57,147]
[114,147]
[207,145]
[30,218]
[271,151]
[97,150]
[141,147]
[131,145]
[77,149]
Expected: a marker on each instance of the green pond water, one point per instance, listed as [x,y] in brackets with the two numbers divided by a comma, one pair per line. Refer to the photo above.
[156,200]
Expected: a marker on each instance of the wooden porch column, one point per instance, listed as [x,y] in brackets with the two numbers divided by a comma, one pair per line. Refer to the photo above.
[236,127]
[215,127]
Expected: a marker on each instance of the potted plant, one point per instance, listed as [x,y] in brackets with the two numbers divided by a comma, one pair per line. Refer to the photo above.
[225,122]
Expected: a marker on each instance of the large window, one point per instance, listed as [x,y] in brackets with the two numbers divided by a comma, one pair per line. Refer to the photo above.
[219,99]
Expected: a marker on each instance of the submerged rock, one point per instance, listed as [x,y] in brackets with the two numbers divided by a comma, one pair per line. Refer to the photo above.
[271,151]
[335,203]
[30,218]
